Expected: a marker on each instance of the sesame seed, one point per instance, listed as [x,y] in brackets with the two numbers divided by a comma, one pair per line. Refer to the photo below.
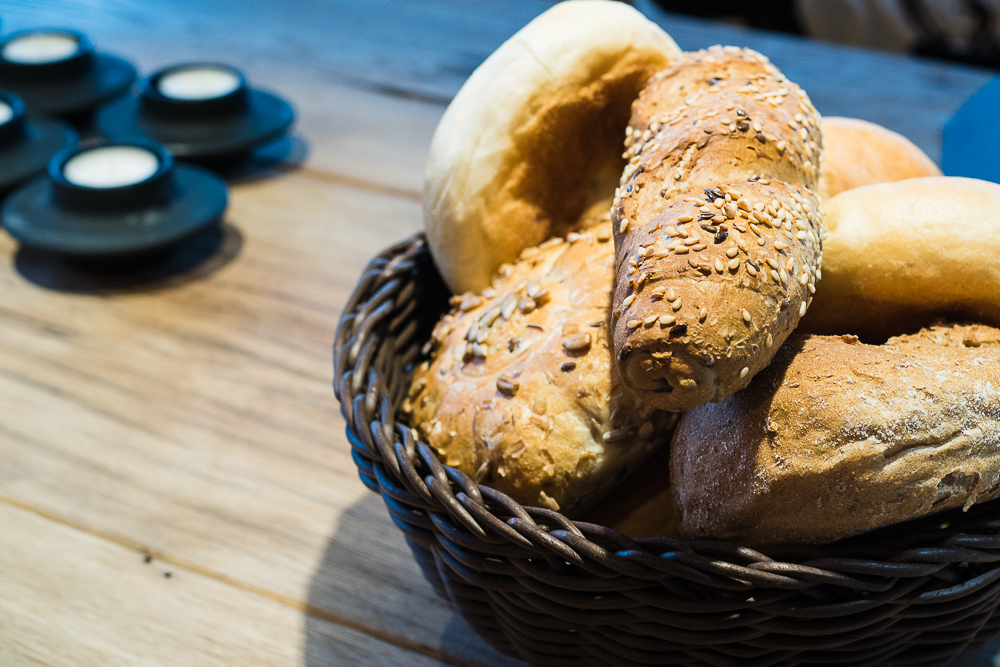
[732,252]
[633,324]
[685,218]
[719,266]
[774,274]
[702,314]
[682,250]
[734,264]
[667,320]
[746,316]
[624,226]
[770,341]
[603,235]
[802,309]
[671,295]
[744,372]
[628,301]
[649,320]
[676,305]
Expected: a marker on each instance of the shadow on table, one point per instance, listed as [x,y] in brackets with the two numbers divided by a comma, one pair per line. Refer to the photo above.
[280,156]
[194,259]
[360,547]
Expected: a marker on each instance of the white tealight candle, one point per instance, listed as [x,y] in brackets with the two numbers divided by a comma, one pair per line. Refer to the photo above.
[111,167]
[40,47]
[198,83]
[6,112]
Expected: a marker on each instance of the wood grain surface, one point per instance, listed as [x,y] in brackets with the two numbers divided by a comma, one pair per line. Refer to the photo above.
[184,413]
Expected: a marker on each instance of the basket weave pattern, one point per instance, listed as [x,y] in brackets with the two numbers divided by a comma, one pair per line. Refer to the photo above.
[558,592]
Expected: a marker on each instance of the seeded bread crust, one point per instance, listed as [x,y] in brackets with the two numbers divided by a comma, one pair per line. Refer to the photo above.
[857,153]
[836,438]
[718,235]
[519,391]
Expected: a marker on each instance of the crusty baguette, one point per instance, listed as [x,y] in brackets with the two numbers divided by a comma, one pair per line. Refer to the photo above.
[857,152]
[534,135]
[900,255]
[519,392]
[837,437]
[718,237]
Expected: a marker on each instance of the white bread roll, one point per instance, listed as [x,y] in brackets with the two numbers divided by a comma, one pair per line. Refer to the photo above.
[857,153]
[535,135]
[899,255]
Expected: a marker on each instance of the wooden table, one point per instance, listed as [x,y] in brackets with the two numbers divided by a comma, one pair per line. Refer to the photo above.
[175,485]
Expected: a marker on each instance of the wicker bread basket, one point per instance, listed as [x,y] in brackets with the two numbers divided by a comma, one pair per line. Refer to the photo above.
[558,592]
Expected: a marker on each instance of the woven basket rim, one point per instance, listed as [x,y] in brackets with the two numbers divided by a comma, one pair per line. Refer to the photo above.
[377,327]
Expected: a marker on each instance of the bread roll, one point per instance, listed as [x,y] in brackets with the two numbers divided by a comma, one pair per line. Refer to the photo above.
[837,437]
[534,135]
[856,153]
[900,255]
[643,505]
[519,392]
[718,237]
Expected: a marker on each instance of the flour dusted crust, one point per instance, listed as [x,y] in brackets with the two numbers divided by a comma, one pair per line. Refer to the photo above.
[857,152]
[837,437]
[520,392]
[533,137]
[718,235]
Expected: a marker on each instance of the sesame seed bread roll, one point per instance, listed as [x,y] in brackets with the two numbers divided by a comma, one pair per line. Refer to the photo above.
[717,232]
[534,135]
[837,437]
[519,391]
[900,255]
[857,153]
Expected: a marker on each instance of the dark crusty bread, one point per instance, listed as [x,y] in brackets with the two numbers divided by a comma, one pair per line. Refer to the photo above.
[837,437]
[520,390]
[718,236]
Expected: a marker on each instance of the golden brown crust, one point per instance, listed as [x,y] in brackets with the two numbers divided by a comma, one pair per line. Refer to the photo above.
[900,255]
[857,153]
[519,390]
[718,237]
[532,138]
[837,437]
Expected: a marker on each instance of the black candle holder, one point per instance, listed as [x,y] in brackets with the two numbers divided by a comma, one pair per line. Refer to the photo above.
[69,84]
[89,211]
[207,128]
[26,146]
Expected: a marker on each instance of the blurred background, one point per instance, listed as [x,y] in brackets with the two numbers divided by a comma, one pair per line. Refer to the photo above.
[965,31]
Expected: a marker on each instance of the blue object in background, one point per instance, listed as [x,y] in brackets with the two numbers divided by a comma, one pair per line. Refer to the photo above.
[971,145]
